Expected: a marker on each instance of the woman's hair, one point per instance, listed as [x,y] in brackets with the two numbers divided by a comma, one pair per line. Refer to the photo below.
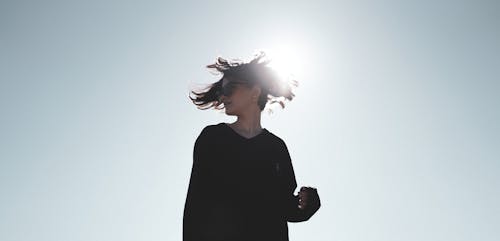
[274,89]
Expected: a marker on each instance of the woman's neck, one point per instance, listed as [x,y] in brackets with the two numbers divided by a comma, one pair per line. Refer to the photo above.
[248,125]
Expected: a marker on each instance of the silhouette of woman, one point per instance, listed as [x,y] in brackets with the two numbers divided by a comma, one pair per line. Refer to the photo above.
[242,180]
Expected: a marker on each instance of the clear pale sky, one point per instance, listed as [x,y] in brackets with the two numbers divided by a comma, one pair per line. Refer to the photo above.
[396,119]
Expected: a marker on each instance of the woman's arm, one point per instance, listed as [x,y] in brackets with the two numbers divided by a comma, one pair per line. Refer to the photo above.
[298,208]
[194,207]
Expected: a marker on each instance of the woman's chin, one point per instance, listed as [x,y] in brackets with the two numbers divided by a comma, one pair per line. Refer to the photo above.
[229,111]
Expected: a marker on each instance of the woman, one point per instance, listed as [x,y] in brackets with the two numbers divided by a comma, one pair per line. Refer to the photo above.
[242,180]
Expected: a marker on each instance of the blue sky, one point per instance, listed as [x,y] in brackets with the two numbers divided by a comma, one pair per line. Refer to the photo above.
[395,120]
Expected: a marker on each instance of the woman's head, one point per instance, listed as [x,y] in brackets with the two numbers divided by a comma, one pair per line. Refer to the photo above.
[248,83]
[239,97]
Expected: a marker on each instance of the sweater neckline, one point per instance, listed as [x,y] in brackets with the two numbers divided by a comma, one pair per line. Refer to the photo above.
[242,137]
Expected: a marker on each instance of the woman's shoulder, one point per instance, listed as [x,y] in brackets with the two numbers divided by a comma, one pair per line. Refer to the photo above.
[275,139]
[211,129]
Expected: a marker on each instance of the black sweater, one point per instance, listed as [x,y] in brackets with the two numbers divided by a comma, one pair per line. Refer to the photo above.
[240,189]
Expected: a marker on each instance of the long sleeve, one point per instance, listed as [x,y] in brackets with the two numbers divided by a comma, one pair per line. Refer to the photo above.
[194,207]
[292,212]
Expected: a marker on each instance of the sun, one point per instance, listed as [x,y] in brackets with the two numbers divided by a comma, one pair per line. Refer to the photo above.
[285,60]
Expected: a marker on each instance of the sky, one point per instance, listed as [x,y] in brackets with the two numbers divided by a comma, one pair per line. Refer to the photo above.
[395,119]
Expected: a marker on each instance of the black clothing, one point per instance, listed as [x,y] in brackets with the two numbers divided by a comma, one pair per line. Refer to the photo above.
[240,189]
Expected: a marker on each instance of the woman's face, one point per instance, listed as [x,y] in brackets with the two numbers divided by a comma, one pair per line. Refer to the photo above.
[237,96]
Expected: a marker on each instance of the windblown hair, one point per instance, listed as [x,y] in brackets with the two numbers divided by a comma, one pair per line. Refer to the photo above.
[274,89]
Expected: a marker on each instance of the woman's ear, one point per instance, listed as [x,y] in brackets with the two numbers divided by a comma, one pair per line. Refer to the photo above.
[256,90]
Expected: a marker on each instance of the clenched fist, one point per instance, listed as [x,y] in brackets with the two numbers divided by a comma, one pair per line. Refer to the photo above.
[309,199]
